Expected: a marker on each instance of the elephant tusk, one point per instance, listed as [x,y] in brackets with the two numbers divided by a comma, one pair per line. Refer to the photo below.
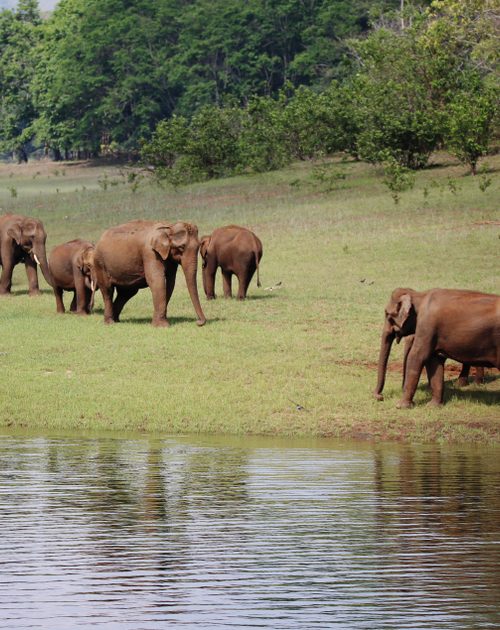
[92,286]
[36,259]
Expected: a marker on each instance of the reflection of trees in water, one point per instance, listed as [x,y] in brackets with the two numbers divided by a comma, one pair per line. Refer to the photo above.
[127,507]
[429,500]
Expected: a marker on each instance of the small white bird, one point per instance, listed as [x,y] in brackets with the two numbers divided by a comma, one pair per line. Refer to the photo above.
[274,287]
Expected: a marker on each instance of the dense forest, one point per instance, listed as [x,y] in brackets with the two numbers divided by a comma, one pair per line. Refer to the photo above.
[203,88]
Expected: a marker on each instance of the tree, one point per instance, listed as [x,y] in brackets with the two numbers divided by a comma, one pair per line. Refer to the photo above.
[469,125]
[19,33]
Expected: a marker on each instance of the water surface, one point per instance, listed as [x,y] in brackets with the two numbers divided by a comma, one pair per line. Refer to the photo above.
[133,532]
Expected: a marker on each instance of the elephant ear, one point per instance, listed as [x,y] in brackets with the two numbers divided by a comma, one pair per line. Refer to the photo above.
[404,309]
[204,243]
[179,235]
[15,233]
[161,242]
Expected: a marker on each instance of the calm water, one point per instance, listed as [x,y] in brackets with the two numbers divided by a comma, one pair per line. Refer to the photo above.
[153,533]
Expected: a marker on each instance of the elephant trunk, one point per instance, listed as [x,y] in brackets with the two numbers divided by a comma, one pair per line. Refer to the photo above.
[40,258]
[385,350]
[189,267]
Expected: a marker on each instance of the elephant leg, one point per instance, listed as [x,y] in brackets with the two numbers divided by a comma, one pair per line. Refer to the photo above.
[408,342]
[58,292]
[72,307]
[123,295]
[89,300]
[157,282]
[417,357]
[81,298]
[226,283]
[107,296]
[31,273]
[463,377]
[33,288]
[244,281]
[170,275]
[208,275]
[435,372]
[7,257]
[479,376]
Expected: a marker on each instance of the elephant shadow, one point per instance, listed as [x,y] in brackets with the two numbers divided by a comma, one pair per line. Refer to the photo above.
[139,321]
[472,393]
[260,296]
[23,291]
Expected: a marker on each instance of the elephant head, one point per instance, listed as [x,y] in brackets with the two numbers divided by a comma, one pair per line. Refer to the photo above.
[400,321]
[30,236]
[85,263]
[204,243]
[179,242]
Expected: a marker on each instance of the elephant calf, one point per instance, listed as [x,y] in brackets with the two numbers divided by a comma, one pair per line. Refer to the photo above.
[72,268]
[236,250]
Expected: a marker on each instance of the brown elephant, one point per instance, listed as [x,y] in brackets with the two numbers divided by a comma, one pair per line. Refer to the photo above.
[22,239]
[236,250]
[391,331]
[445,323]
[138,254]
[72,268]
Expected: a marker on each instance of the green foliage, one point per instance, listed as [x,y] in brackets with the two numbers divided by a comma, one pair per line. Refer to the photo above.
[469,125]
[19,33]
[397,178]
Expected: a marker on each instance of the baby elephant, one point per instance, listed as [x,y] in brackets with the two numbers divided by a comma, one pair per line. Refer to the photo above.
[235,250]
[72,268]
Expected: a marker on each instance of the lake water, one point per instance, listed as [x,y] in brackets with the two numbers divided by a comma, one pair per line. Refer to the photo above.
[142,533]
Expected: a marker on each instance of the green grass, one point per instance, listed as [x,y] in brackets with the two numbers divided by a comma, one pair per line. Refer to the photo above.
[314,341]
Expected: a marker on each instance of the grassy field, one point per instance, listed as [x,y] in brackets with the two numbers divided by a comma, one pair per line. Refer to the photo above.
[312,342]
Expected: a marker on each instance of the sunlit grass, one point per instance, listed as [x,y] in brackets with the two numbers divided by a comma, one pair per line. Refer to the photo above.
[311,343]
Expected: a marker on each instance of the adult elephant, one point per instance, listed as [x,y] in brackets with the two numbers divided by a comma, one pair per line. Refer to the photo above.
[138,254]
[399,325]
[236,250]
[72,269]
[446,323]
[22,239]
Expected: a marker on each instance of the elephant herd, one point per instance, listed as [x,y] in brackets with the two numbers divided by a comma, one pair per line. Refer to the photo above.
[437,324]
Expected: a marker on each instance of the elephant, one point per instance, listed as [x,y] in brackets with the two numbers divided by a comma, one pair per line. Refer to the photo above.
[236,250]
[445,323]
[142,253]
[22,239]
[72,267]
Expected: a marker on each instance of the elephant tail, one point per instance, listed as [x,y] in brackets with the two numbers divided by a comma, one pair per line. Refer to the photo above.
[256,254]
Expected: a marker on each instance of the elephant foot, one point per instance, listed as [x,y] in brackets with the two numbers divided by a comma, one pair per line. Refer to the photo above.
[201,322]
[81,312]
[5,293]
[109,320]
[435,403]
[160,323]
[210,297]
[462,382]
[405,404]
[34,292]
[378,396]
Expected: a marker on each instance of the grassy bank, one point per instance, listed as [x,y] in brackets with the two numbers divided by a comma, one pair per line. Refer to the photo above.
[313,341]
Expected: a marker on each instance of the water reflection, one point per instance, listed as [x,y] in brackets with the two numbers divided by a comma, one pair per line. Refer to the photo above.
[137,532]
